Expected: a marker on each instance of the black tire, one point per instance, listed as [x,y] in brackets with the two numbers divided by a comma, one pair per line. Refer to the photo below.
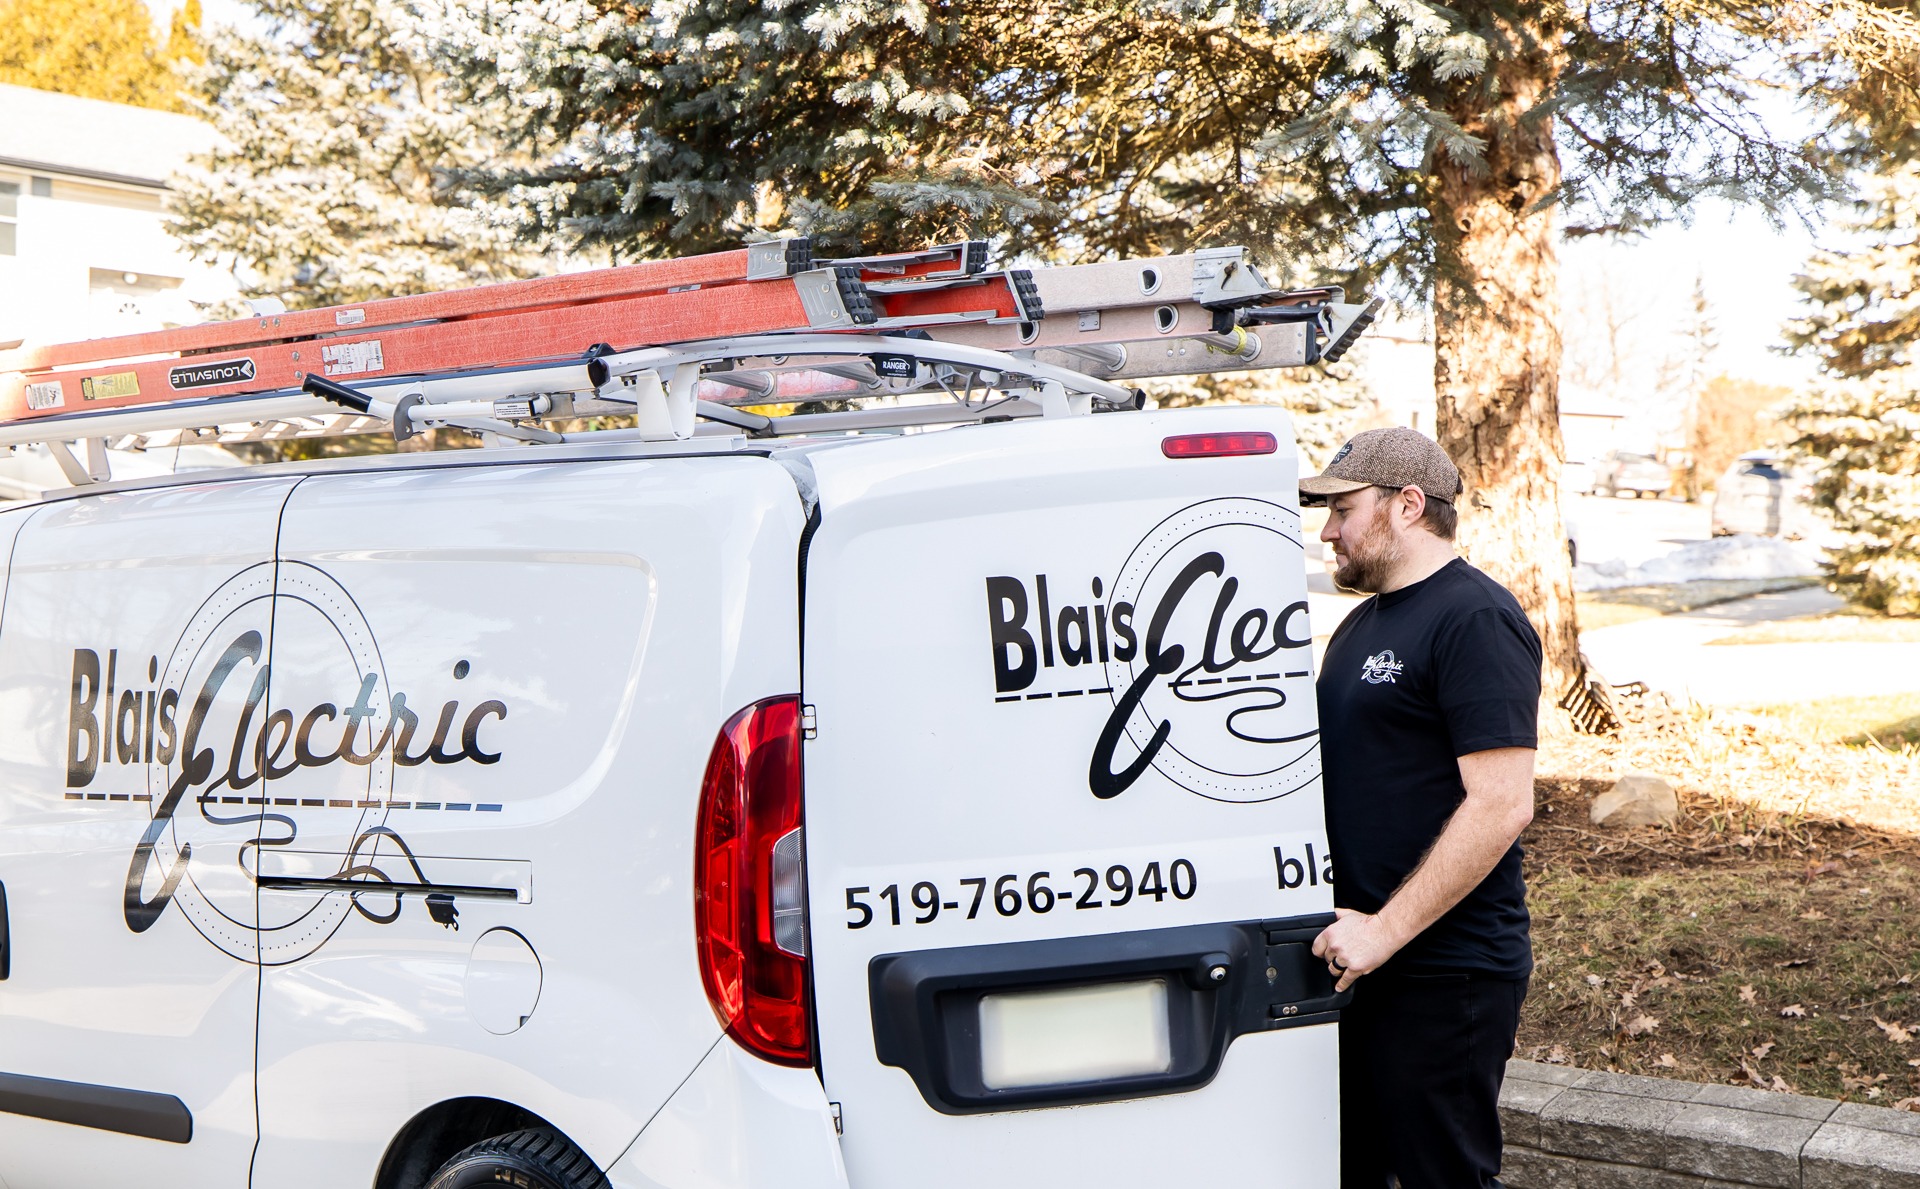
[538,1158]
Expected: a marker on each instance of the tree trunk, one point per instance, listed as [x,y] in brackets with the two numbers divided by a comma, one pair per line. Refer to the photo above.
[1497,343]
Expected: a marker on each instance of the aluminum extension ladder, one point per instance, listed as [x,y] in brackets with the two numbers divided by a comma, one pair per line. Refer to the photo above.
[748,341]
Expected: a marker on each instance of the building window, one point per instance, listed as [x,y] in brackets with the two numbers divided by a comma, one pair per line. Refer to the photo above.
[9,216]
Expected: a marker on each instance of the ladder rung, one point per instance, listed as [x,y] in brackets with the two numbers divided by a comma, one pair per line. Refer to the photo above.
[963,259]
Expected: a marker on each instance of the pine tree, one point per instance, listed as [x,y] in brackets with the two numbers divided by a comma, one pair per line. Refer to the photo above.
[337,140]
[1439,150]
[96,49]
[1860,425]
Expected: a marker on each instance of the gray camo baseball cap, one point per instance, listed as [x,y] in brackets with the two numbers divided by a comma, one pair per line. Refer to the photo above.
[1394,457]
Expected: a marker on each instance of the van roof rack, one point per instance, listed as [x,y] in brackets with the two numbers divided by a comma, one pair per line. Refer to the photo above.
[766,340]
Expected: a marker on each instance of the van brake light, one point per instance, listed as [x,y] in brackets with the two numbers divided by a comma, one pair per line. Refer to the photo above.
[1218,445]
[749,890]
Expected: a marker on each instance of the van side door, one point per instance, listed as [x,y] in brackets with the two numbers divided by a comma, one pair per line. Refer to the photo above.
[133,662]
[503,684]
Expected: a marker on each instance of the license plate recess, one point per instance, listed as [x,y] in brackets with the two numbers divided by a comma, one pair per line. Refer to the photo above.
[1213,982]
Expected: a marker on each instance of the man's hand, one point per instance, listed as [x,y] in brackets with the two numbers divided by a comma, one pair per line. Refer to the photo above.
[1355,944]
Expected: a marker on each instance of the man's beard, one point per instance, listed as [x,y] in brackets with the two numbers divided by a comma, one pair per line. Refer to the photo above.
[1367,568]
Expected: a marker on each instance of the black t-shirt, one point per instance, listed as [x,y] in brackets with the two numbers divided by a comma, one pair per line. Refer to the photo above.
[1414,679]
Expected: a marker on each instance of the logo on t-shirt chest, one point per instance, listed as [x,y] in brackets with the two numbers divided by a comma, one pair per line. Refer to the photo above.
[1381,668]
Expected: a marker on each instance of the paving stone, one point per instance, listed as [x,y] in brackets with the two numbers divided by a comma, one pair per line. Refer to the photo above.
[1876,1118]
[1520,1107]
[1594,1174]
[1622,1128]
[1530,1168]
[1765,1101]
[1540,1071]
[1638,1085]
[1863,1147]
[1738,1144]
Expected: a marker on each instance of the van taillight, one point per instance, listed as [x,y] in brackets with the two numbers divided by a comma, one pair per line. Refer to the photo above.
[749,902]
[1218,445]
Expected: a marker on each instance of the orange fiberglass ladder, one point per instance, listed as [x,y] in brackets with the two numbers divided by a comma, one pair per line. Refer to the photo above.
[677,341]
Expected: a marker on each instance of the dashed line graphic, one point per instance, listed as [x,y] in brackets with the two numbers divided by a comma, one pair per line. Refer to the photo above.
[304,803]
[1058,693]
[1232,680]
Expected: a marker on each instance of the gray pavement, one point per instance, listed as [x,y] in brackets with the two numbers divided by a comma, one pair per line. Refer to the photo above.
[1674,654]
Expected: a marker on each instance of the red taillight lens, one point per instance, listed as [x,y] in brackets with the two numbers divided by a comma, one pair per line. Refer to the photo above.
[748,895]
[1218,445]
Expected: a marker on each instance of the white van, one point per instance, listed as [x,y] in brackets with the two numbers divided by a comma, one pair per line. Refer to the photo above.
[936,809]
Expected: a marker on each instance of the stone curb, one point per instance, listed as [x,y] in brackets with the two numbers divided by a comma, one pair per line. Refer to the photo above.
[1577,1129]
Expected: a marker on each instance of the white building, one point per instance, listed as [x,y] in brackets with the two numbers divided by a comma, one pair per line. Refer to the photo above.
[84,250]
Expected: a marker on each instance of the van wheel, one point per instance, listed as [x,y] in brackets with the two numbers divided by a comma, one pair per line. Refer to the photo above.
[538,1158]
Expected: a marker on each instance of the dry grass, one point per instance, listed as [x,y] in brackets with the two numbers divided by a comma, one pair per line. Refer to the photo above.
[1747,761]
[1889,721]
[1768,938]
[1628,604]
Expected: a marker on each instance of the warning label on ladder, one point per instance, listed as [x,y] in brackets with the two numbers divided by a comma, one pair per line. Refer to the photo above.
[352,359]
[111,386]
[45,395]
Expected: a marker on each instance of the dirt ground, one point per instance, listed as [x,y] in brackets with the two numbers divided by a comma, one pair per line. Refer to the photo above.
[1769,938]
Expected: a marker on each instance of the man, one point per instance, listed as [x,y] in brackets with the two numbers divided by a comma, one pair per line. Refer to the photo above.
[1429,697]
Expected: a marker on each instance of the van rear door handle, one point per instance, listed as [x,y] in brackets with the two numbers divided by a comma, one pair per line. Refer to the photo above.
[6,936]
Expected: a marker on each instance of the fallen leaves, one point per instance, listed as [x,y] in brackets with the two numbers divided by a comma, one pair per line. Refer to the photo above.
[1793,1011]
[1814,914]
[1746,993]
[1896,1033]
[1640,1025]
[1790,963]
[1852,1080]
[1761,1081]
[1760,1051]
[1666,1061]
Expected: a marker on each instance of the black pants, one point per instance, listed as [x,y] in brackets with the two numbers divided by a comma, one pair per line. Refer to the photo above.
[1421,1059]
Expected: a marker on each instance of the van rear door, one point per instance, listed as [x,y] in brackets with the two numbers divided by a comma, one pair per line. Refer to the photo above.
[1065,844]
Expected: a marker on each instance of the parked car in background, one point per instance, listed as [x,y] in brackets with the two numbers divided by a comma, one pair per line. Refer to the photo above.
[1623,470]
[28,472]
[1761,494]
[1576,476]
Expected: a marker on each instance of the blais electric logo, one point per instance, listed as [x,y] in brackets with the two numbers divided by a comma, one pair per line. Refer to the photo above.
[1198,649]
[251,751]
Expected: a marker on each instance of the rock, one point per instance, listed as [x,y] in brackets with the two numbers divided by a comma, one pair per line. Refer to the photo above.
[1640,799]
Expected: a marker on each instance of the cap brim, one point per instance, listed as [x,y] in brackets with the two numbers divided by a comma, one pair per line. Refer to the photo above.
[1326,485]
